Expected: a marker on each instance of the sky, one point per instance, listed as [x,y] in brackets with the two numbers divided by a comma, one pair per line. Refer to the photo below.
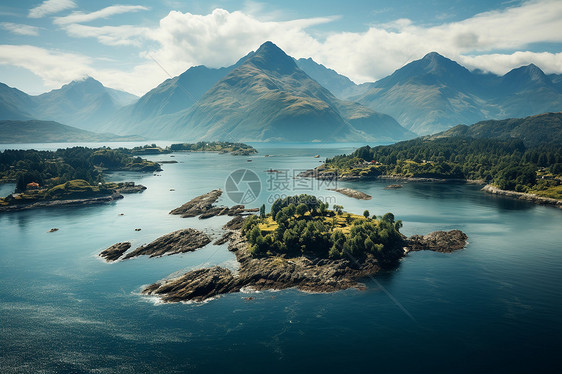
[134,45]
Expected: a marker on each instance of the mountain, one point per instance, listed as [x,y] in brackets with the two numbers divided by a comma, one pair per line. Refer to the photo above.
[85,104]
[34,131]
[436,93]
[340,85]
[268,98]
[15,104]
[534,130]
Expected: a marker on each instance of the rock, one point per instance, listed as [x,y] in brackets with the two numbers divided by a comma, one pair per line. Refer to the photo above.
[187,240]
[352,193]
[390,186]
[137,229]
[199,205]
[438,241]
[235,223]
[197,285]
[310,274]
[130,187]
[225,238]
[53,229]
[115,251]
[203,207]
[262,274]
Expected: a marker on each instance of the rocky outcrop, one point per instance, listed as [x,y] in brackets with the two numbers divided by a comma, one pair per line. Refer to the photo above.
[352,193]
[438,241]
[115,251]
[55,203]
[130,187]
[235,223]
[187,240]
[279,272]
[523,196]
[203,206]
[199,205]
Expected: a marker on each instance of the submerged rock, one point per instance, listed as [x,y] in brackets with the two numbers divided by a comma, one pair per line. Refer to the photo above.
[115,251]
[187,240]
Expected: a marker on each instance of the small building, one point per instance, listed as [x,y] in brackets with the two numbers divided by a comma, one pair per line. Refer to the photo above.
[32,186]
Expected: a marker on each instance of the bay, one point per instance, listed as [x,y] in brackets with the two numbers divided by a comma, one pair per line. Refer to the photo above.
[495,306]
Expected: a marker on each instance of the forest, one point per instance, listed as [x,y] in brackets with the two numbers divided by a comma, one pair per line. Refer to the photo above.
[303,225]
[51,168]
[507,164]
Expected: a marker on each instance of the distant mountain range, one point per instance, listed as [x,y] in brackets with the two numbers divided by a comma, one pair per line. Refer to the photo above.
[264,97]
[33,131]
[84,104]
[269,96]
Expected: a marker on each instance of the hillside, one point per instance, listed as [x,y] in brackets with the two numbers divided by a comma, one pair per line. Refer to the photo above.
[34,131]
[535,130]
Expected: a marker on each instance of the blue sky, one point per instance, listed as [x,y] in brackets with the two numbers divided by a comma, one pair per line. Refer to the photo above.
[135,45]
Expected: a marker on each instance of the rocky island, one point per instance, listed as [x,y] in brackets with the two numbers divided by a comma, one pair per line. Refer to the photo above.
[300,243]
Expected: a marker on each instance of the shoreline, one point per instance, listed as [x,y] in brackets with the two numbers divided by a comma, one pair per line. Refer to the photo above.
[523,196]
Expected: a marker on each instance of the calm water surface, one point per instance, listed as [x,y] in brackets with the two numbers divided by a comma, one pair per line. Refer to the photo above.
[495,306]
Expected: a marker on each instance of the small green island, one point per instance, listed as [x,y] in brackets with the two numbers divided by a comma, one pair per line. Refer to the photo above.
[300,243]
[236,149]
[66,176]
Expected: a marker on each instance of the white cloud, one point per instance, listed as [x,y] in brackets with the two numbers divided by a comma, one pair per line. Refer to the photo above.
[51,7]
[110,35]
[19,29]
[79,17]
[57,68]
[502,63]
[220,38]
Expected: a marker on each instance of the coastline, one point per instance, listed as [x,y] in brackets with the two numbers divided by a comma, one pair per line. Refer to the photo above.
[523,196]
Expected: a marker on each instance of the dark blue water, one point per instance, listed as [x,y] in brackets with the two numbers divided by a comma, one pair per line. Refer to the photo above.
[495,306]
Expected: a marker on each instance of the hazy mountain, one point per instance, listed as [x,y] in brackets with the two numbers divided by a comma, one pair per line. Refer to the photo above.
[268,98]
[534,130]
[337,84]
[34,131]
[121,98]
[85,104]
[436,93]
[15,104]
[427,95]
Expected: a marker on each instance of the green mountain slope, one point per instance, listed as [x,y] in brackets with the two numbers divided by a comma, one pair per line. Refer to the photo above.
[535,130]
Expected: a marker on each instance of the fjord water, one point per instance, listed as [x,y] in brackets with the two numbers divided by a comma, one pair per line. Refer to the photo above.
[495,306]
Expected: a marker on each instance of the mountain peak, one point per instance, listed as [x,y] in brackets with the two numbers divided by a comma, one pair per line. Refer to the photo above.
[530,72]
[271,57]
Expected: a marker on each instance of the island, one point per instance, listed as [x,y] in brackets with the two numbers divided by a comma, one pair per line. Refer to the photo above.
[236,149]
[71,176]
[300,243]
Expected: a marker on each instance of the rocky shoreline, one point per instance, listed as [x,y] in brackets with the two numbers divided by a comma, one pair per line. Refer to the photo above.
[310,274]
[524,196]
[56,203]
